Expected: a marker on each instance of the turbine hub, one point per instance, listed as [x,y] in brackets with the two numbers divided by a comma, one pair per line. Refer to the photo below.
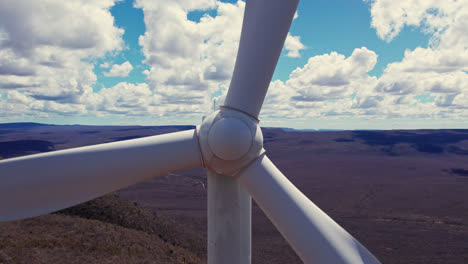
[230,138]
[229,141]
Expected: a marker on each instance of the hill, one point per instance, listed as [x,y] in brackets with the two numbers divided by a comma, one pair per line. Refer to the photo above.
[105,230]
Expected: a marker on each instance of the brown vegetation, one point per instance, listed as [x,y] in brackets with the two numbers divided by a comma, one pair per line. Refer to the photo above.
[119,236]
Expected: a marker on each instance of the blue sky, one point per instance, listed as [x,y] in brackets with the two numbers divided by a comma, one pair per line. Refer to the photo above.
[347,64]
[351,30]
[342,26]
[131,20]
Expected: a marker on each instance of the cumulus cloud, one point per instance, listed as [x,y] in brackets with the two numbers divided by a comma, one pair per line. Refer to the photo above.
[293,46]
[23,104]
[323,86]
[104,65]
[46,63]
[189,61]
[332,76]
[335,86]
[389,17]
[27,25]
[123,99]
[46,49]
[439,70]
[119,70]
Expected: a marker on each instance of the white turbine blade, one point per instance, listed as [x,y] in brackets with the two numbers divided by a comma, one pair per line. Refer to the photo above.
[43,183]
[265,27]
[314,236]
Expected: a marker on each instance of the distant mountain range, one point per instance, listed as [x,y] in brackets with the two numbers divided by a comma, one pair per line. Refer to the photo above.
[17,139]
[286,129]
[21,125]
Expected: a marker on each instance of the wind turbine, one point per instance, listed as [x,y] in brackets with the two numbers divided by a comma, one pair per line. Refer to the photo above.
[228,144]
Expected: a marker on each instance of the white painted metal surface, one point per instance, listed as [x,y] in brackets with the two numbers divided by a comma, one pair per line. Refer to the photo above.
[39,184]
[229,221]
[314,236]
[230,138]
[266,24]
[220,150]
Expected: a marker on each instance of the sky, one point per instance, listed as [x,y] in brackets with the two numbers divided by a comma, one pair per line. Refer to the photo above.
[346,64]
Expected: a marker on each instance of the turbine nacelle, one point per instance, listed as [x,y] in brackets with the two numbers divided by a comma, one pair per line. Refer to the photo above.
[229,141]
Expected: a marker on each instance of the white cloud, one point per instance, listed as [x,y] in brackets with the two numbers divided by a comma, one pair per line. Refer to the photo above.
[24,105]
[119,70]
[438,70]
[278,102]
[293,46]
[104,65]
[189,61]
[46,63]
[123,98]
[390,16]
[46,50]
[323,87]
[30,25]
[332,76]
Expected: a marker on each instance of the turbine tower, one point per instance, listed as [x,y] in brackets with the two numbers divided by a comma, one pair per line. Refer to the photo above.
[228,144]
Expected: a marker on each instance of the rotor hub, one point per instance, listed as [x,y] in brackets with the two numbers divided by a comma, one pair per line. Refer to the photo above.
[229,141]
[230,138]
